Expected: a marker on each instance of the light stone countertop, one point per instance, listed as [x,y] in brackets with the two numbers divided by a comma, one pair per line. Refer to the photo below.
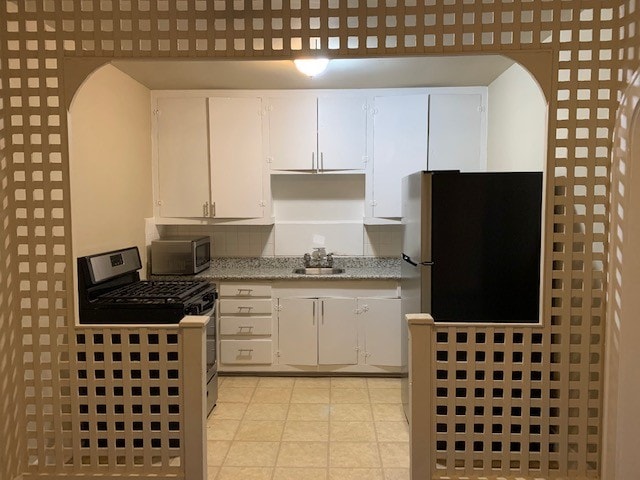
[281,268]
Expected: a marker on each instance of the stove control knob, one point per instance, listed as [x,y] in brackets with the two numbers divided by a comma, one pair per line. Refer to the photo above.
[192,310]
[208,297]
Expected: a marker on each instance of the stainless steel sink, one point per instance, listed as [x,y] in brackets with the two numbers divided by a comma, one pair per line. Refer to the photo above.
[318,271]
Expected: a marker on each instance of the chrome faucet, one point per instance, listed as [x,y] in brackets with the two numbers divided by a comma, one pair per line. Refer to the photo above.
[318,258]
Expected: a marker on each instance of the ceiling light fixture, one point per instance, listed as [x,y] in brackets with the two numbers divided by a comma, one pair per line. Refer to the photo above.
[311,67]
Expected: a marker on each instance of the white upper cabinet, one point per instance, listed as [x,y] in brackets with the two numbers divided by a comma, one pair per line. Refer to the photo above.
[399,148]
[293,125]
[210,157]
[457,136]
[235,142]
[183,157]
[317,133]
[431,129]
[342,132]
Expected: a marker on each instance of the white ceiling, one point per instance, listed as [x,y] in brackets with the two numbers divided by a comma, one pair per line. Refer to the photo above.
[436,71]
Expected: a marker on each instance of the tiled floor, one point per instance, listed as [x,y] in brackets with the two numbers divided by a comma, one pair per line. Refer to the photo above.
[283,428]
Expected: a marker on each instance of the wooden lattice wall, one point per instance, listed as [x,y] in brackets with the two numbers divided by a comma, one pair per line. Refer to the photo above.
[36,35]
[11,385]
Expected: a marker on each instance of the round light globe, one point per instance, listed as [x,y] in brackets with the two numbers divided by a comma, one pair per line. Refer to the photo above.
[311,67]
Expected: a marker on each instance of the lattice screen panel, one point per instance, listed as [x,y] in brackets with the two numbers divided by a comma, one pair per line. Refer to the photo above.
[11,385]
[37,34]
[128,384]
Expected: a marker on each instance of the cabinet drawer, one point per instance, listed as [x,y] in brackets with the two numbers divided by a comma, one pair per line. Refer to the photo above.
[245,307]
[245,325]
[244,290]
[245,351]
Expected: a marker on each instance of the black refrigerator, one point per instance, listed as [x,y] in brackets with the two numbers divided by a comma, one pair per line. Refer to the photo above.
[471,246]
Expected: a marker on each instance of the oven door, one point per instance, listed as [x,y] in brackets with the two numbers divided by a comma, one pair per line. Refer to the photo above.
[212,366]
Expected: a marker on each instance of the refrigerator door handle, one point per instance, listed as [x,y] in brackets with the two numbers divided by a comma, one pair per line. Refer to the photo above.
[407,259]
[427,264]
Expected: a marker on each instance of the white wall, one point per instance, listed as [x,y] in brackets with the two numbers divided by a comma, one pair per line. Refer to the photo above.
[517,123]
[110,164]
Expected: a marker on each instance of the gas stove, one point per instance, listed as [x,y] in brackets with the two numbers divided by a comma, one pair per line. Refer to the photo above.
[110,292]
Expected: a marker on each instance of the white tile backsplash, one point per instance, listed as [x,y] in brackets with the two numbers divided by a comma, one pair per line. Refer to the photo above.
[383,240]
[351,239]
[299,238]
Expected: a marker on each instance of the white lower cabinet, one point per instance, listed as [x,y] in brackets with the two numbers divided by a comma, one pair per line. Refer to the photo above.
[347,327]
[253,352]
[317,331]
[338,332]
[297,331]
[380,323]
[245,326]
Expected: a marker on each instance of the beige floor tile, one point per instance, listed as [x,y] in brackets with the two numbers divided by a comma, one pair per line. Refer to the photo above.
[392,431]
[271,395]
[312,382]
[276,382]
[383,382]
[245,473]
[355,474]
[388,412]
[349,395]
[310,395]
[394,455]
[221,429]
[302,431]
[260,430]
[352,432]
[300,473]
[229,411]
[216,452]
[252,454]
[353,455]
[348,382]
[309,411]
[385,395]
[303,454]
[238,381]
[235,394]
[396,474]
[212,472]
[351,412]
[266,411]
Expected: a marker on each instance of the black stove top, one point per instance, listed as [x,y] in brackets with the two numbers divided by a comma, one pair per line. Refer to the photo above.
[110,291]
[169,291]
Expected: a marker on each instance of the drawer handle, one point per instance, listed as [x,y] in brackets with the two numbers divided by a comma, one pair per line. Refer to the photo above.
[241,308]
[247,327]
[248,290]
[245,350]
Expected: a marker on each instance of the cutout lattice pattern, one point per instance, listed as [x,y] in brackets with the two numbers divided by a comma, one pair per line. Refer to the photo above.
[128,385]
[36,35]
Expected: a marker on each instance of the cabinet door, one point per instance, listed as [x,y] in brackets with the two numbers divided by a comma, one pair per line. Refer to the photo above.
[382,323]
[235,129]
[183,157]
[342,132]
[337,332]
[399,148]
[293,133]
[297,331]
[455,132]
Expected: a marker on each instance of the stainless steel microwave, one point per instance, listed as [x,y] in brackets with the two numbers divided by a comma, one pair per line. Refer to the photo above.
[180,255]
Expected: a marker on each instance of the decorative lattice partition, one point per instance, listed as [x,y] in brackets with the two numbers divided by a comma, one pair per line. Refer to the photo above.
[37,35]
[11,385]
[129,388]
